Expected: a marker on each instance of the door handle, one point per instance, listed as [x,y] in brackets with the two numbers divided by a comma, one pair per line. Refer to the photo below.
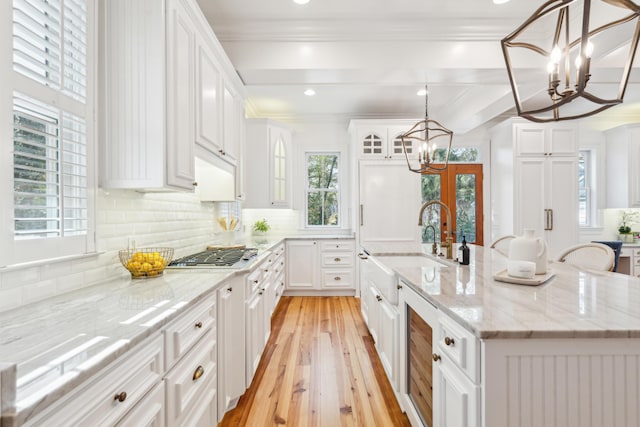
[550,219]
[361,216]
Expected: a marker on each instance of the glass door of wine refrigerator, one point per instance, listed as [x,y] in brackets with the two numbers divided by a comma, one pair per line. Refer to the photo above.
[419,366]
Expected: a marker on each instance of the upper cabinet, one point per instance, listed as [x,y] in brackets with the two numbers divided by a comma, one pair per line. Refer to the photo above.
[268,153]
[381,139]
[164,90]
[623,173]
[532,139]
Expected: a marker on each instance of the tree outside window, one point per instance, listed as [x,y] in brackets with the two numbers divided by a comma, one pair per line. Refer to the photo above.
[323,189]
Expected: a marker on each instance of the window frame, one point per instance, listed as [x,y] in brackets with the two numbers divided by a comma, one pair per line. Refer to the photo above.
[307,189]
[19,251]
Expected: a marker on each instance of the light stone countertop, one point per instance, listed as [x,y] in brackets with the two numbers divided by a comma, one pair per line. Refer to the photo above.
[50,347]
[573,304]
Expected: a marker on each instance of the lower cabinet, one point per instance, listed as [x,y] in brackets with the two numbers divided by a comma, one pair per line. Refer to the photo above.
[231,344]
[321,265]
[456,398]
[116,390]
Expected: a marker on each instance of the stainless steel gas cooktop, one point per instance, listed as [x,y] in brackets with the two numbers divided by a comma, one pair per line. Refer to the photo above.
[217,258]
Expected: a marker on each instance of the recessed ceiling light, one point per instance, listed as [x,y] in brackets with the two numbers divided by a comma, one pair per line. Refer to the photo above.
[309,92]
[421,92]
[500,1]
[301,1]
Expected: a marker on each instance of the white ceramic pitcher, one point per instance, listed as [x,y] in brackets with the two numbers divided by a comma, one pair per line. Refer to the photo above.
[530,248]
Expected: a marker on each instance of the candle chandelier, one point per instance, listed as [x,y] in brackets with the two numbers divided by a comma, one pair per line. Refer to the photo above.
[567,56]
[430,137]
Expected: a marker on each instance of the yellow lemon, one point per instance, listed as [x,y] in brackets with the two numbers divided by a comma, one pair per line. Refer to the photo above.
[146,267]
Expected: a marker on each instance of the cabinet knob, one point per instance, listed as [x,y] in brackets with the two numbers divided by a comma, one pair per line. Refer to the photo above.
[449,341]
[255,281]
[261,291]
[379,298]
[198,325]
[194,183]
[220,151]
[399,287]
[337,259]
[198,373]
[121,397]
[436,357]
[337,278]
[229,289]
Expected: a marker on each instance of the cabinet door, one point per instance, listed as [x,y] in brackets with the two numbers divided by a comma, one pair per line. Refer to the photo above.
[373,301]
[279,143]
[180,150]
[231,348]
[302,264]
[208,100]
[231,128]
[456,398]
[372,143]
[388,342]
[389,202]
[530,195]
[394,146]
[255,334]
[530,140]
[562,196]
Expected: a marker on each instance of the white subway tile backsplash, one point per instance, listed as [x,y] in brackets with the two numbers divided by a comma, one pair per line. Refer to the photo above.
[177,220]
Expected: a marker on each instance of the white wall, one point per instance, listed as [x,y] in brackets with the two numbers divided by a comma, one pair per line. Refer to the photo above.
[177,220]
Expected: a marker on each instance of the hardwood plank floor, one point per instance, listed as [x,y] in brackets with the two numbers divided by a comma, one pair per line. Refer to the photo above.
[320,368]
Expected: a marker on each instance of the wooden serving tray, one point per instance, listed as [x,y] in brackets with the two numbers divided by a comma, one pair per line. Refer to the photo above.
[218,247]
[538,279]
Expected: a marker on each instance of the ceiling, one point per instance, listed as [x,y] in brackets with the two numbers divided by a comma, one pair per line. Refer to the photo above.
[368,58]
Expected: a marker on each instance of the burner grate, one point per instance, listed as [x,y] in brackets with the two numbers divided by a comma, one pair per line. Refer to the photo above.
[223,257]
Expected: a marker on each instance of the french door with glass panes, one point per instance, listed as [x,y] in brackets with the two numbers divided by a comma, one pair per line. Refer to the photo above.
[460,188]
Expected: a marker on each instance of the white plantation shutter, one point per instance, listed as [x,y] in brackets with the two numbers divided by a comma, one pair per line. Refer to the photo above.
[52,108]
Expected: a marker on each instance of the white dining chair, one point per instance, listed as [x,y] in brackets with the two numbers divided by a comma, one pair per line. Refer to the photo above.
[501,244]
[589,256]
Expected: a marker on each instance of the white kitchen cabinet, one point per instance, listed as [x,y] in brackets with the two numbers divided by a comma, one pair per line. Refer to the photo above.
[387,346]
[380,139]
[456,398]
[534,182]
[255,333]
[535,139]
[322,266]
[208,97]
[388,202]
[546,200]
[191,385]
[623,173]
[111,394]
[302,265]
[231,336]
[268,159]
[147,126]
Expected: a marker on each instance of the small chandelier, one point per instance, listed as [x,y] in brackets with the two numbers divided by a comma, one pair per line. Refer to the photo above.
[428,136]
[566,56]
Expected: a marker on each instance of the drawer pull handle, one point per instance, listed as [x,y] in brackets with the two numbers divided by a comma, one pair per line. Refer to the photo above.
[121,397]
[449,341]
[198,325]
[198,373]
[337,278]
[255,281]
[436,357]
[229,290]
[379,298]
[337,259]
[399,287]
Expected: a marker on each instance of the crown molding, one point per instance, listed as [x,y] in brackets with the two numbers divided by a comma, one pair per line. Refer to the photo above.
[358,30]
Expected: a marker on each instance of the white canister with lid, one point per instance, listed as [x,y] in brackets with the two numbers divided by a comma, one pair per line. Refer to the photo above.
[530,248]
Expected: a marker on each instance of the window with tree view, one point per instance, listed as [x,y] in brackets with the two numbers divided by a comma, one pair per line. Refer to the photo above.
[323,189]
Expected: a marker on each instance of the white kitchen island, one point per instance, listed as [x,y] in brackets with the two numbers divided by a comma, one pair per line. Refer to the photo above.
[565,353]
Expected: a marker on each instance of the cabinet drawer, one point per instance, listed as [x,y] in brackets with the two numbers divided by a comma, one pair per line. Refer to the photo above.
[193,377]
[338,246]
[148,412]
[337,279]
[626,252]
[278,250]
[253,280]
[636,271]
[636,253]
[113,393]
[182,334]
[278,265]
[337,259]
[459,345]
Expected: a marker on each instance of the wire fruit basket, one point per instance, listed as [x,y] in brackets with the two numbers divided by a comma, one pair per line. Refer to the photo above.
[144,263]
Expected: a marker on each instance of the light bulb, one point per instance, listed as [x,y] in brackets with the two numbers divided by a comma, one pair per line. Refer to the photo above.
[550,67]
[578,61]
[556,54]
[588,51]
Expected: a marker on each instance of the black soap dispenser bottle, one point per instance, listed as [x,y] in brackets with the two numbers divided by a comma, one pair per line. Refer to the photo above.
[464,260]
